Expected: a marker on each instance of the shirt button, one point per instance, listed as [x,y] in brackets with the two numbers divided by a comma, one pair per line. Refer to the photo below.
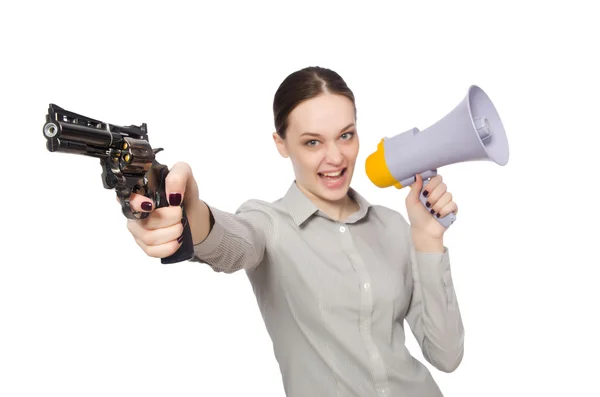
[342,229]
[367,285]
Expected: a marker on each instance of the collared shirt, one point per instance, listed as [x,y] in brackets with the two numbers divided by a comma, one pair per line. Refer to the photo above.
[334,295]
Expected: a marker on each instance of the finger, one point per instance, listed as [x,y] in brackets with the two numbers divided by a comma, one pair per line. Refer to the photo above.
[162,218]
[140,203]
[448,208]
[131,197]
[164,235]
[159,251]
[435,194]
[176,181]
[431,185]
[415,188]
[153,240]
[441,203]
[136,228]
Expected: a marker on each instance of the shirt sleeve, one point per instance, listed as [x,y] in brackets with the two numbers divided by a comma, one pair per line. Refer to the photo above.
[433,314]
[237,240]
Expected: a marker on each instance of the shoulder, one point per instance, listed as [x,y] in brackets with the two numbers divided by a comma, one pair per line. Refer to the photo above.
[274,210]
[387,215]
[390,226]
[378,212]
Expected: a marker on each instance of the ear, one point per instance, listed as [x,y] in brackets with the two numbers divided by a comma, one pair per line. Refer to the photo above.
[280,144]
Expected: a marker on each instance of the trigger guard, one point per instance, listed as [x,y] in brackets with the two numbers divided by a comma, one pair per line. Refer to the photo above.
[131,214]
[126,204]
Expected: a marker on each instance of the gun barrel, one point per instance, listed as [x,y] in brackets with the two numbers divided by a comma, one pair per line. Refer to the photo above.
[78,133]
[57,145]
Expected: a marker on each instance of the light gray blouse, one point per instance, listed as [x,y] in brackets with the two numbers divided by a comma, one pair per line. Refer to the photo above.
[334,295]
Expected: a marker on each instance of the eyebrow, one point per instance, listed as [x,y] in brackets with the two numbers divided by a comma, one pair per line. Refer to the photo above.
[314,134]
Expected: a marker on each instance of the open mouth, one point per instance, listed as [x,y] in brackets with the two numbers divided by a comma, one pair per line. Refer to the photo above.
[332,176]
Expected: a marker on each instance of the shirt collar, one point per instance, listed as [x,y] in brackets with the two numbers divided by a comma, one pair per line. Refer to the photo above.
[301,208]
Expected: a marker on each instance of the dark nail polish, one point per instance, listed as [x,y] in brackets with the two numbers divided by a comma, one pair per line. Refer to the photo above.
[438,214]
[175,198]
[180,239]
[432,212]
[183,221]
[425,193]
[147,206]
[428,204]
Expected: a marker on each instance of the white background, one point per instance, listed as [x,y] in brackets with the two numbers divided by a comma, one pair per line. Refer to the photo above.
[83,311]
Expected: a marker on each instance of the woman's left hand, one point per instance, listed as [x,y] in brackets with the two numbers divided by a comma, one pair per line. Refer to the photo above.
[423,219]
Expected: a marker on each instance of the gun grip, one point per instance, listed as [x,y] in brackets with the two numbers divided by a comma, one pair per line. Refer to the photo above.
[186,250]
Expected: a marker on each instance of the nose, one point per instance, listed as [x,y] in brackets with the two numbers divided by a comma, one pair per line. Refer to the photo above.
[334,154]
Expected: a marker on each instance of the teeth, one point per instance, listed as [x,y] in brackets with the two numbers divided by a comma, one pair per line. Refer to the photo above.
[332,173]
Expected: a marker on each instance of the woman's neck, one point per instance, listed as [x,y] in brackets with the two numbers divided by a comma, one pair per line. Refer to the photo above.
[338,210]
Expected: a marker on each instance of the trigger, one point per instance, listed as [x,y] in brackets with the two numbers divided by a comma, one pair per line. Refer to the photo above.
[157,199]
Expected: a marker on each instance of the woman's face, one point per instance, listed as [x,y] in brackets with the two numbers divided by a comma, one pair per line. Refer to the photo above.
[322,143]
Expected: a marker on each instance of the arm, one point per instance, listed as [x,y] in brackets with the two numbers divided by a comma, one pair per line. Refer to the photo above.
[230,242]
[433,315]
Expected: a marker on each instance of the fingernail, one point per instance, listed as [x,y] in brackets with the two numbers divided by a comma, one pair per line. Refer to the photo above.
[425,193]
[428,204]
[432,212]
[180,239]
[175,198]
[183,221]
[147,206]
[438,214]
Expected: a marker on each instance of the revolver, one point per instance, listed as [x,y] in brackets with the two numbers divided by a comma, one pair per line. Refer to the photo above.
[128,162]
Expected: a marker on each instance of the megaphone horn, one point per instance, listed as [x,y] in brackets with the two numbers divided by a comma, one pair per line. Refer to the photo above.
[472,131]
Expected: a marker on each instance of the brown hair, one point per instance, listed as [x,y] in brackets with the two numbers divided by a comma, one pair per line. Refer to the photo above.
[302,85]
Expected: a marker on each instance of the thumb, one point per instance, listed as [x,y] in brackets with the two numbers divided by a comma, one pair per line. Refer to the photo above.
[415,188]
[176,183]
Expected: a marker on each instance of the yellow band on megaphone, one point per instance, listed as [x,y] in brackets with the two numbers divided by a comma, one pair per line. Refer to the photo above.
[377,169]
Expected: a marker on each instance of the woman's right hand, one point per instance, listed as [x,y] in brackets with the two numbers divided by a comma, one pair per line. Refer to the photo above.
[160,233]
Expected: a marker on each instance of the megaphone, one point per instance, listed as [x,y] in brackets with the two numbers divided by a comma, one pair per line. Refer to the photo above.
[472,131]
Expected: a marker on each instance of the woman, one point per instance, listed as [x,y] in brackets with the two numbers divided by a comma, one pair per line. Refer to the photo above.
[334,276]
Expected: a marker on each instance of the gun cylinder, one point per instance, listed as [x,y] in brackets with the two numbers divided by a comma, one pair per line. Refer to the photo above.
[137,156]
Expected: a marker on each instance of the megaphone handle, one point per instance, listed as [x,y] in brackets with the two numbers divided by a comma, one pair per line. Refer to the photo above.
[445,221]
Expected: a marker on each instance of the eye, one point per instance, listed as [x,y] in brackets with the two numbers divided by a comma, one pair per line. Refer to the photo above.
[347,135]
[312,142]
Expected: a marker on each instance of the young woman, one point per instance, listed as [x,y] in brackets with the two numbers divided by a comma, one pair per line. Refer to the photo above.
[334,276]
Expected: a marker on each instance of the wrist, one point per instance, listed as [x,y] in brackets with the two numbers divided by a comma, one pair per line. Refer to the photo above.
[199,217]
[427,244]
